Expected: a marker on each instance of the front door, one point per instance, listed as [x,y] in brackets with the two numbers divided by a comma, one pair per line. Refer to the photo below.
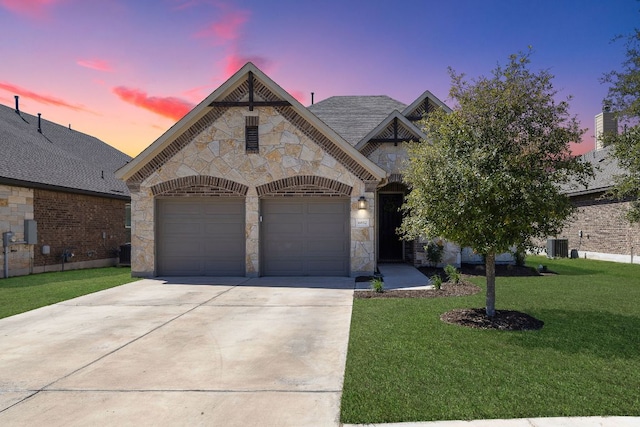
[390,218]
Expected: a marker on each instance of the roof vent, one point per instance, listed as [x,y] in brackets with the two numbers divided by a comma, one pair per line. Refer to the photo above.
[17,104]
[39,123]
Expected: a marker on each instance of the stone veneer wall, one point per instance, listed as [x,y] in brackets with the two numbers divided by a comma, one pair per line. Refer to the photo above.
[603,225]
[389,157]
[219,151]
[16,205]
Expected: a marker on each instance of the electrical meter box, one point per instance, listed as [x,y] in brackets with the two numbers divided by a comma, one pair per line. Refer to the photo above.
[6,238]
[31,231]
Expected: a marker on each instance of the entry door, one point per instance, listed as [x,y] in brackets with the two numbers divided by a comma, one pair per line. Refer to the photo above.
[390,218]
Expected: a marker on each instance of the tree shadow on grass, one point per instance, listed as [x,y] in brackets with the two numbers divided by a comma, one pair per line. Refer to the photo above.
[600,334]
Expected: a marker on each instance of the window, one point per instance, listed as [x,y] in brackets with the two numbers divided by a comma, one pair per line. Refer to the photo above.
[251,134]
[127,215]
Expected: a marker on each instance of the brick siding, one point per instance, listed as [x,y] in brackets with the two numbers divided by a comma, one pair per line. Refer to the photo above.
[76,221]
[604,228]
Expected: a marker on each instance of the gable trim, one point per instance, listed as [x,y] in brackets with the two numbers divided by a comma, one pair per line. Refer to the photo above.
[396,120]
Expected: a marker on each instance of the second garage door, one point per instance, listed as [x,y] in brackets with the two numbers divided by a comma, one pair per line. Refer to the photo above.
[201,236]
[305,236]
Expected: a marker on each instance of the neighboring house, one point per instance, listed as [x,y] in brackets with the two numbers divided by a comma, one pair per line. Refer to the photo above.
[599,230]
[252,183]
[58,191]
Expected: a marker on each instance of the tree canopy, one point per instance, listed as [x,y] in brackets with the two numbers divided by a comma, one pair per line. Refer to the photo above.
[624,98]
[489,174]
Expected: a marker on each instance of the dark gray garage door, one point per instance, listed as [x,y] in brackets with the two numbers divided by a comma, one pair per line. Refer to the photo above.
[305,236]
[200,236]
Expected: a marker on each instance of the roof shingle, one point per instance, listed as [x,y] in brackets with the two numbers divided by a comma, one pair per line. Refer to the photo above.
[58,157]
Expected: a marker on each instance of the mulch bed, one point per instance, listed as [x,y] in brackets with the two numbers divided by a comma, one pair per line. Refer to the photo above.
[505,320]
[447,290]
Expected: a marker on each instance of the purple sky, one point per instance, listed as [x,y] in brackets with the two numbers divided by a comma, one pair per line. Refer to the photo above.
[126,70]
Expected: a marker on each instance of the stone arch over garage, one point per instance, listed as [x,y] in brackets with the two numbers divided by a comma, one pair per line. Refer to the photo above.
[199,185]
[305,186]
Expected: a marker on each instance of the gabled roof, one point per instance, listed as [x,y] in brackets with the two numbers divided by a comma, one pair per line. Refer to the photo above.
[395,127]
[249,86]
[425,103]
[605,168]
[353,117]
[57,158]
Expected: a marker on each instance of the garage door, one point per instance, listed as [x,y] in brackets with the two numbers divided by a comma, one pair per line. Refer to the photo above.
[305,236]
[201,237]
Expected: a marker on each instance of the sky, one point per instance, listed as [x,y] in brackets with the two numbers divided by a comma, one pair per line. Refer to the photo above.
[125,71]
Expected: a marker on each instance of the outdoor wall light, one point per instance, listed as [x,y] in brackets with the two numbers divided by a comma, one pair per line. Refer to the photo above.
[362,203]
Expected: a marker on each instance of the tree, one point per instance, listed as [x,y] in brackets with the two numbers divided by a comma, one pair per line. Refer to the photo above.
[624,98]
[489,174]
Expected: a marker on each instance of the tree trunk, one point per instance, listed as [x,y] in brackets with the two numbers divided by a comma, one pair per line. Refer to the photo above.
[490,267]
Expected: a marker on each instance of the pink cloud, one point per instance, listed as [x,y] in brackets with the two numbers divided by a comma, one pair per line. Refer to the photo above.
[233,62]
[35,9]
[44,99]
[171,107]
[298,95]
[95,64]
[227,28]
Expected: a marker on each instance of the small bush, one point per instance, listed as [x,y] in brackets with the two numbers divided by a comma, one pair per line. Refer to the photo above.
[377,285]
[453,275]
[434,252]
[436,281]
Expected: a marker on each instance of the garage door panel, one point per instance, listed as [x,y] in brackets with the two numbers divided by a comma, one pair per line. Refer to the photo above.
[201,236]
[305,236]
[326,229]
[283,207]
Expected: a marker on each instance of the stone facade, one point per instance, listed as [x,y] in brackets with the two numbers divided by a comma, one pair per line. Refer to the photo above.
[604,228]
[16,205]
[389,157]
[285,152]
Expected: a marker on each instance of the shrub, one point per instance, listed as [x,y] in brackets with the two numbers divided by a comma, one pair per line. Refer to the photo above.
[434,251]
[377,285]
[453,275]
[436,281]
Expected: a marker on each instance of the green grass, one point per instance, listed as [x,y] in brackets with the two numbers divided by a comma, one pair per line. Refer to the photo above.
[24,293]
[404,364]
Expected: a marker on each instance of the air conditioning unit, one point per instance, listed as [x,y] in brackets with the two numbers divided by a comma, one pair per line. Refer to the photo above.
[557,248]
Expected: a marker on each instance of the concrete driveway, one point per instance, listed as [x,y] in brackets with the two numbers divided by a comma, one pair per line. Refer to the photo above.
[203,351]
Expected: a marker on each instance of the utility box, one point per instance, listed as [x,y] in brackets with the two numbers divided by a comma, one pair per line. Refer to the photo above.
[557,248]
[125,254]
[6,238]
[31,231]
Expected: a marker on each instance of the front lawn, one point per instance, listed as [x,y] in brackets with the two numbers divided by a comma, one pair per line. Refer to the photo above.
[24,293]
[405,364]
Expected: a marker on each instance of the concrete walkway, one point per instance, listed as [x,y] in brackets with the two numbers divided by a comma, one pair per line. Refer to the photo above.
[402,276]
[205,351]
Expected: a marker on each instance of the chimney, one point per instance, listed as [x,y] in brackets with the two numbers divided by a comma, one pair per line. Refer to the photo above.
[39,124]
[606,122]
[17,104]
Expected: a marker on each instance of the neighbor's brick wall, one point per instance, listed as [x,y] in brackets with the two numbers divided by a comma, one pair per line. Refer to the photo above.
[604,228]
[77,221]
